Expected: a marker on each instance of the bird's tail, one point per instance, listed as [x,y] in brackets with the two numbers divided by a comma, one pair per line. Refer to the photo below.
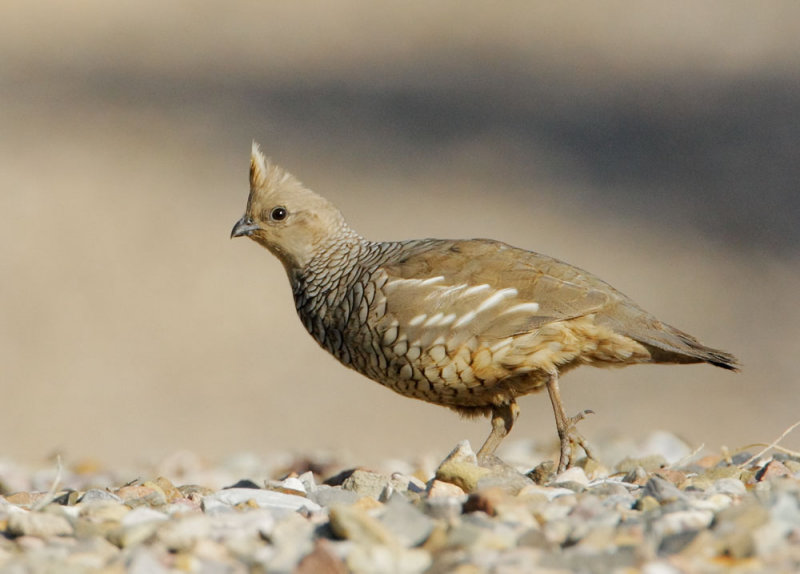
[666,343]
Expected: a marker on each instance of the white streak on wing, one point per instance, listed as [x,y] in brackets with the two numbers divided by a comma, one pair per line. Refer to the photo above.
[446,292]
[466,318]
[475,289]
[446,320]
[504,343]
[417,320]
[401,282]
[495,298]
[433,320]
[432,280]
[523,308]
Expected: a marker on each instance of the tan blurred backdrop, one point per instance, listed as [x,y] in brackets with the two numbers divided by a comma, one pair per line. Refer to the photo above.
[655,144]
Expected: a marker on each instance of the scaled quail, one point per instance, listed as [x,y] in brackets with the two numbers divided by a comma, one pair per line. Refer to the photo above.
[467,324]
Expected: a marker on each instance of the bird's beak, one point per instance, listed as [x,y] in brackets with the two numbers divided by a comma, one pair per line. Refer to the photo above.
[244,226]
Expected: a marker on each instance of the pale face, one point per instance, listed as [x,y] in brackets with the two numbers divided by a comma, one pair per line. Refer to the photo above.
[285,217]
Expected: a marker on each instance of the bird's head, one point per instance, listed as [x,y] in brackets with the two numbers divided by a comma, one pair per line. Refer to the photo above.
[293,222]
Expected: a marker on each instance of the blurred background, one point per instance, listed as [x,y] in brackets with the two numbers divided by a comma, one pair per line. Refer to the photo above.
[655,144]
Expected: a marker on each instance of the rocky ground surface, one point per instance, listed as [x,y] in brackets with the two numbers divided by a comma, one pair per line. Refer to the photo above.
[658,508]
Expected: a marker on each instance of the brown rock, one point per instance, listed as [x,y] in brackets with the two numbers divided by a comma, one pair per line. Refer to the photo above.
[321,560]
[171,493]
[441,489]
[772,469]
[485,501]
[676,477]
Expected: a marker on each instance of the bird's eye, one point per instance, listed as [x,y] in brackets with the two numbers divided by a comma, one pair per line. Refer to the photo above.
[278,214]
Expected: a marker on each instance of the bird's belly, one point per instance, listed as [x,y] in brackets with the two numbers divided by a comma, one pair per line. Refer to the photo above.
[474,371]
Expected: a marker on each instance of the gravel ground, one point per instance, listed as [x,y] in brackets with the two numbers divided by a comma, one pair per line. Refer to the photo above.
[668,509]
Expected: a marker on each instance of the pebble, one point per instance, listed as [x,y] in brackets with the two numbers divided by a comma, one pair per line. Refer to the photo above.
[355,524]
[662,511]
[662,490]
[409,525]
[97,495]
[460,467]
[41,524]
[367,483]
[226,499]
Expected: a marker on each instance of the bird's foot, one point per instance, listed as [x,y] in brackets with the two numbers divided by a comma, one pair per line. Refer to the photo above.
[570,438]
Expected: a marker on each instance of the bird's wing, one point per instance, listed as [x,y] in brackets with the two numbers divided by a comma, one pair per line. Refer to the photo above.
[483,288]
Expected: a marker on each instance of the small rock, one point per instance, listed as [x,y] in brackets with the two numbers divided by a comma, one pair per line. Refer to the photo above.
[681,521]
[226,499]
[97,495]
[740,458]
[325,495]
[460,467]
[478,532]
[593,468]
[368,504]
[648,463]
[573,478]
[244,483]
[663,491]
[724,471]
[445,508]
[676,543]
[41,524]
[636,475]
[646,504]
[143,560]
[715,502]
[352,523]
[366,483]
[181,534]
[772,469]
[535,538]
[291,539]
[404,483]
[734,527]
[256,523]
[405,522]
[137,526]
[190,490]
[339,478]
[308,482]
[729,486]
[676,477]
[543,473]
[534,491]
[147,494]
[441,489]
[486,501]
[322,560]
[99,519]
[505,477]
[25,499]
[168,489]
[383,559]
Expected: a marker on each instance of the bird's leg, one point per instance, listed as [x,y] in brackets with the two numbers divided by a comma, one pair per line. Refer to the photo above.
[503,418]
[567,433]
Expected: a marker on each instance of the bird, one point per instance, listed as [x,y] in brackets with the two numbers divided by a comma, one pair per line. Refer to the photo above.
[468,324]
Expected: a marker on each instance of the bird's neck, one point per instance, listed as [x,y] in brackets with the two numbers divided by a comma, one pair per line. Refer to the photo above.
[332,260]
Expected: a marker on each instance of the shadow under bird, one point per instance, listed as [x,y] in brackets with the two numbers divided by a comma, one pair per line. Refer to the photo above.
[467,324]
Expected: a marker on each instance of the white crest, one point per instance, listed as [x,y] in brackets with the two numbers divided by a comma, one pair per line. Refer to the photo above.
[258,166]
